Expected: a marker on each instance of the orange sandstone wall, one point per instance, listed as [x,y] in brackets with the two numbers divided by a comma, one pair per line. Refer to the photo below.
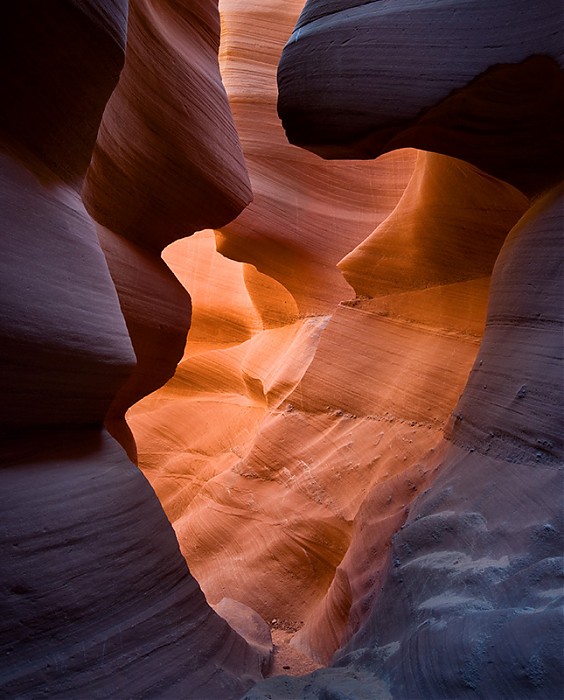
[255,331]
[303,422]
[306,214]
[268,440]
[465,602]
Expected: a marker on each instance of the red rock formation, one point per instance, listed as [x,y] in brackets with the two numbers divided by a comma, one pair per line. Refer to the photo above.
[157,127]
[477,564]
[225,404]
[159,144]
[98,600]
[306,213]
[310,426]
[156,309]
[465,603]
[311,450]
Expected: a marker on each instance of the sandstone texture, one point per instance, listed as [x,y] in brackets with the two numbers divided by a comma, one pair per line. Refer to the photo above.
[315,449]
[306,213]
[168,146]
[255,330]
[97,600]
[335,380]
[467,601]
[360,78]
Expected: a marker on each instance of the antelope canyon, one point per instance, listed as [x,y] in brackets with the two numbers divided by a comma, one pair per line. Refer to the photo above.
[97,599]
[282,307]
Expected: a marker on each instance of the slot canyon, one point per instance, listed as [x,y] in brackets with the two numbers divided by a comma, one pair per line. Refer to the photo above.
[282,303]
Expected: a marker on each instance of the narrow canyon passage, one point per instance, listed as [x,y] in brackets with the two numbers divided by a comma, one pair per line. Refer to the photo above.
[278,427]
[281,310]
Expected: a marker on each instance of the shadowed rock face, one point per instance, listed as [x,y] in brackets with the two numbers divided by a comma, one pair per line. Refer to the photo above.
[358,79]
[97,600]
[54,105]
[520,360]
[477,568]
[65,349]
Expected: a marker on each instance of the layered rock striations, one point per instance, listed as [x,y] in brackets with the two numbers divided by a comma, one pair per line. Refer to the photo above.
[467,601]
[306,213]
[167,144]
[361,438]
[490,72]
[159,143]
[303,433]
[279,427]
[255,330]
[97,599]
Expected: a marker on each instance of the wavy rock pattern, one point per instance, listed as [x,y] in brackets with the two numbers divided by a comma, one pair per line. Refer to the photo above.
[158,124]
[296,449]
[520,360]
[381,474]
[492,72]
[97,599]
[81,44]
[160,146]
[254,333]
[292,231]
[467,601]
[156,309]
[53,283]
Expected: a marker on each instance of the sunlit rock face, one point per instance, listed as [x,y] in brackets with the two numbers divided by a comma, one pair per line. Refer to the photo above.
[97,600]
[467,600]
[207,439]
[306,214]
[319,415]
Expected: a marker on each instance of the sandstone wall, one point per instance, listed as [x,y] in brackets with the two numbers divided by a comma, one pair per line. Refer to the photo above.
[466,601]
[306,422]
[362,435]
[97,600]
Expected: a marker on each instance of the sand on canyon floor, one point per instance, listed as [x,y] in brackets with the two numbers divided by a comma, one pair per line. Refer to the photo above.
[286,659]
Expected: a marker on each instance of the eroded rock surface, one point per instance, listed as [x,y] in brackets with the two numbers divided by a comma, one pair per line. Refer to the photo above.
[469,600]
[302,438]
[358,79]
[97,600]
[362,441]
[306,213]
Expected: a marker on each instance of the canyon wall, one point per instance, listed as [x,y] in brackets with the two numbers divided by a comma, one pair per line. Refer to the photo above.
[97,600]
[306,422]
[467,599]
[361,437]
